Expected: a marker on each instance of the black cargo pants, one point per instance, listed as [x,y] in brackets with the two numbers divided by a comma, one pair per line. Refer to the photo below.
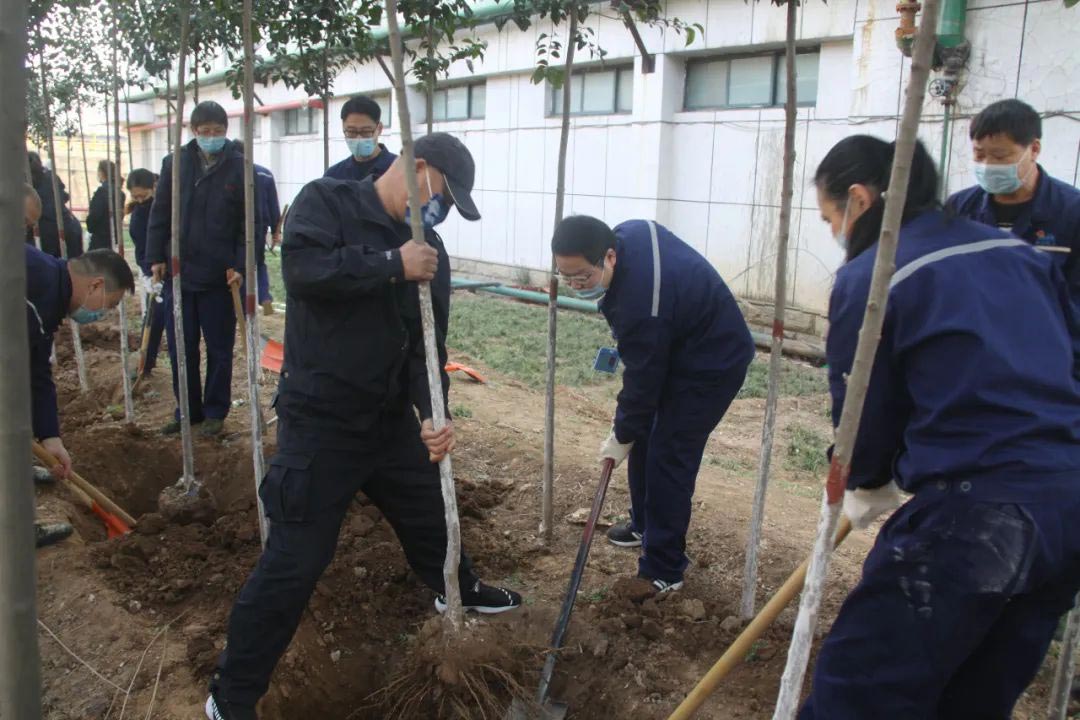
[306,495]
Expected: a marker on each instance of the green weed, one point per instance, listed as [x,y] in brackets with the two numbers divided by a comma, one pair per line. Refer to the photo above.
[806,450]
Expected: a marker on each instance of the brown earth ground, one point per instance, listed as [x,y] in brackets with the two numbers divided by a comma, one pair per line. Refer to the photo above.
[148,612]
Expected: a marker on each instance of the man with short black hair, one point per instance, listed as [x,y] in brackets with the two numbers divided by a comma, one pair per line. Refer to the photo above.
[1014,192]
[82,288]
[685,347]
[211,260]
[352,386]
[360,123]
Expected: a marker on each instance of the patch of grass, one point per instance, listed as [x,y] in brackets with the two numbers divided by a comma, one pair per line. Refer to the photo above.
[511,338]
[273,269]
[596,595]
[755,650]
[729,464]
[806,450]
[461,411]
[796,379]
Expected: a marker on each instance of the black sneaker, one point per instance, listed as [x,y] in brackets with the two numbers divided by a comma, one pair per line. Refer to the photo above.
[662,586]
[484,599]
[51,533]
[228,711]
[624,535]
[212,427]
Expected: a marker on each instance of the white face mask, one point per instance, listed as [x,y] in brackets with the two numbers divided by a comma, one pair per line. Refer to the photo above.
[841,237]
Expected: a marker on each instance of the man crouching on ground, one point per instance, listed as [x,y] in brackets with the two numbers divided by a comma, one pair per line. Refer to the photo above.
[354,371]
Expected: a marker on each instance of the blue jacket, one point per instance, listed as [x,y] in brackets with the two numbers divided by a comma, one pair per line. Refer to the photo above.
[354,348]
[211,217]
[1053,220]
[48,295]
[677,326]
[266,203]
[976,378]
[350,169]
[137,226]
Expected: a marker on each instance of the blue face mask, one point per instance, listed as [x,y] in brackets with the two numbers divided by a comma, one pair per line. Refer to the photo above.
[999,179]
[210,145]
[593,293]
[361,147]
[434,211]
[84,315]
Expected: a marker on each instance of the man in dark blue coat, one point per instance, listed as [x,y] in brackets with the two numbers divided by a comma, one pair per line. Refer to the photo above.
[1014,192]
[83,289]
[266,223]
[360,123]
[352,387]
[140,184]
[685,348]
[211,259]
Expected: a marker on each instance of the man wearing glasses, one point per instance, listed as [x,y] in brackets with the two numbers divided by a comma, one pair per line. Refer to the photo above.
[211,260]
[685,348]
[367,156]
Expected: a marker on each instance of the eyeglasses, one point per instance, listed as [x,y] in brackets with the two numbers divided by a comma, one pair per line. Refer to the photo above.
[366,133]
[577,278]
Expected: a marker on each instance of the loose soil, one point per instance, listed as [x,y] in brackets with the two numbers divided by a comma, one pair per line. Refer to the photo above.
[149,611]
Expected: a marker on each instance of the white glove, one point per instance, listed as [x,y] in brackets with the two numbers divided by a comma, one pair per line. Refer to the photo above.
[614,450]
[147,284]
[862,507]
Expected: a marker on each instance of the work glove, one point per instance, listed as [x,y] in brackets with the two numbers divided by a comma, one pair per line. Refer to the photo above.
[612,449]
[862,507]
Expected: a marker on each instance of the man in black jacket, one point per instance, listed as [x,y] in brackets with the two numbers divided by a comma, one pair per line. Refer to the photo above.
[352,384]
[47,236]
[99,216]
[211,259]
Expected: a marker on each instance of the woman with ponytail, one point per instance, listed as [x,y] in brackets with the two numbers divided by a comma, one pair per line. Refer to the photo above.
[973,409]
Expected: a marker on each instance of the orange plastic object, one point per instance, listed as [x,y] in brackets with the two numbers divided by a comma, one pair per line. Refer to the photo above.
[273,356]
[454,367]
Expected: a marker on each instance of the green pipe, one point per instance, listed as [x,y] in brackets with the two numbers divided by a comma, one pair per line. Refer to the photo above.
[943,162]
[951,20]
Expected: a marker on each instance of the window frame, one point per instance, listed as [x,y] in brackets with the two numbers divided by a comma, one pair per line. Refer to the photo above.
[616,70]
[470,88]
[312,117]
[777,57]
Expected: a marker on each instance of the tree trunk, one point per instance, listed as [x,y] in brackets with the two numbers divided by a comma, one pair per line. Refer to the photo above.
[85,162]
[174,264]
[859,378]
[116,209]
[547,520]
[168,113]
[325,113]
[20,683]
[429,95]
[251,269]
[454,613]
[749,589]
[76,341]
[1061,692]
[127,124]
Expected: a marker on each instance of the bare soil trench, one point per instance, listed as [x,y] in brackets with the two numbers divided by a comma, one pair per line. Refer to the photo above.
[149,611]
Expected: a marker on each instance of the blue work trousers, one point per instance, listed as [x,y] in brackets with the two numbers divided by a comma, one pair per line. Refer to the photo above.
[208,317]
[663,471]
[957,605]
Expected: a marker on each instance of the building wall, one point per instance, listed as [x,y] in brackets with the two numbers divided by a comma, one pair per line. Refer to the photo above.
[712,176]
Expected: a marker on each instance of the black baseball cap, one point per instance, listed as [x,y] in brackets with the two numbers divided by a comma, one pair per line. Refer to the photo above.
[448,155]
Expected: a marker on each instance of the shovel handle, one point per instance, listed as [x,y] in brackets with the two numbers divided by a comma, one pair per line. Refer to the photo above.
[83,487]
[241,319]
[757,627]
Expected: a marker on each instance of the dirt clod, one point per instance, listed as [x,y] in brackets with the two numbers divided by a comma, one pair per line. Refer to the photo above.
[182,508]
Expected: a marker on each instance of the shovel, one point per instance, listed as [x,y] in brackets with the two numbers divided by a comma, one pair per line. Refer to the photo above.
[241,318]
[117,521]
[144,343]
[550,709]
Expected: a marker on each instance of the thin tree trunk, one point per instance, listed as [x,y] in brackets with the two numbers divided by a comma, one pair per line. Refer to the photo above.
[70,172]
[127,124]
[547,519]
[168,113]
[1066,668]
[251,273]
[859,378]
[454,614]
[116,209]
[195,75]
[76,341]
[20,682]
[85,161]
[429,96]
[325,113]
[174,264]
[749,590]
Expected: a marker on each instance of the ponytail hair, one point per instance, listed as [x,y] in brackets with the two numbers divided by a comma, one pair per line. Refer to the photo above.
[867,160]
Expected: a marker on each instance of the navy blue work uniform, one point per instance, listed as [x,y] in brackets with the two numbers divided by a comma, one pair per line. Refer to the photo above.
[1050,220]
[974,407]
[47,234]
[354,371]
[685,349]
[211,242]
[99,217]
[352,169]
[269,216]
[48,297]
[137,226]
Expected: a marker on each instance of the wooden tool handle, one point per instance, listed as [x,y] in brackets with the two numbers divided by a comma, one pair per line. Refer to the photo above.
[241,319]
[82,487]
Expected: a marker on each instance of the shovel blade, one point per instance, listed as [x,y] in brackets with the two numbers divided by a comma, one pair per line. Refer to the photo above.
[550,710]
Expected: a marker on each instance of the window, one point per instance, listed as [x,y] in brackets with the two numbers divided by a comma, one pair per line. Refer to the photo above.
[749,81]
[302,121]
[599,92]
[385,105]
[256,126]
[459,102]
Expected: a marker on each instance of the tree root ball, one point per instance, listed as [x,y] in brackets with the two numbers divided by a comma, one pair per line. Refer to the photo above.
[471,675]
[178,507]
